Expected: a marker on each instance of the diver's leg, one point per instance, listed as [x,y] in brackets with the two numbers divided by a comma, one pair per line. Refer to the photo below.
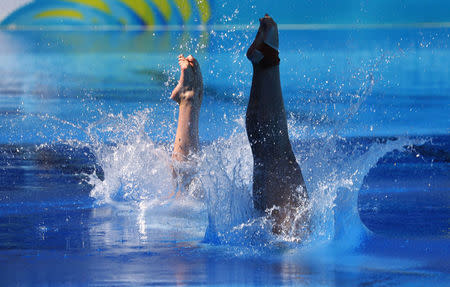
[188,94]
[277,178]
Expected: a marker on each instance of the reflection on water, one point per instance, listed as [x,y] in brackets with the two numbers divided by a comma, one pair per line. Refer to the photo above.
[41,236]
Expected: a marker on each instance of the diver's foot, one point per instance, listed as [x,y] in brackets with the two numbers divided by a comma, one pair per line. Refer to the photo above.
[264,49]
[190,86]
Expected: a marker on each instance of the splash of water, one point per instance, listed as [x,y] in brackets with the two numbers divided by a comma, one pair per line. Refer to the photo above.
[218,199]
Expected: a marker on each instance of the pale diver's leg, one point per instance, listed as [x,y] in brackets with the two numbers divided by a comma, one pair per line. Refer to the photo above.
[188,94]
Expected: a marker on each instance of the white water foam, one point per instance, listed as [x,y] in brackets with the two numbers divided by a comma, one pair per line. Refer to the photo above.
[218,202]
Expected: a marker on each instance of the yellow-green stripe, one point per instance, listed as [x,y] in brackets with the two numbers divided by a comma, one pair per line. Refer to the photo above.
[97,4]
[205,10]
[141,9]
[60,13]
[185,9]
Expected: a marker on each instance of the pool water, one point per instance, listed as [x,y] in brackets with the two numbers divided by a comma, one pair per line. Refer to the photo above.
[86,131]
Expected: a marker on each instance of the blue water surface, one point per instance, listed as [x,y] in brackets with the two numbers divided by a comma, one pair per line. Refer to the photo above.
[86,131]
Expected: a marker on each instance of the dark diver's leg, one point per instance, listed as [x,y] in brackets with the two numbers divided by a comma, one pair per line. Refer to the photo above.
[277,178]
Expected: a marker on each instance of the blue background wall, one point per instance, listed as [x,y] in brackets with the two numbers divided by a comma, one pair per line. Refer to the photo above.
[346,11]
